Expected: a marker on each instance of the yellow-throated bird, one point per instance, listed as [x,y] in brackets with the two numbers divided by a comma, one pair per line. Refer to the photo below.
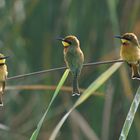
[74,59]
[3,76]
[130,52]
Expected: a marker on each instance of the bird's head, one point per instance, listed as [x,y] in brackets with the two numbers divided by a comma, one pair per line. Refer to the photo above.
[3,59]
[70,41]
[129,39]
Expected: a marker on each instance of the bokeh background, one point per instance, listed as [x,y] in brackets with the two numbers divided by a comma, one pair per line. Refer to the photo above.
[28,32]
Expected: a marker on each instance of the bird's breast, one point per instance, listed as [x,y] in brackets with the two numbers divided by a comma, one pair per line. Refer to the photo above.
[73,59]
[3,72]
[130,53]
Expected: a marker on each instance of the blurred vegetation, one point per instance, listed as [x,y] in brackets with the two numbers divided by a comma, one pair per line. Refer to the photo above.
[28,32]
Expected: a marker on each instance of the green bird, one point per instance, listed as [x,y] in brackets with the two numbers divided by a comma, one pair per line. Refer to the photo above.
[74,58]
[3,76]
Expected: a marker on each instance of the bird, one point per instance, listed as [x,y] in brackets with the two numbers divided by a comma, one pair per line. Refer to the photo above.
[3,76]
[74,59]
[130,52]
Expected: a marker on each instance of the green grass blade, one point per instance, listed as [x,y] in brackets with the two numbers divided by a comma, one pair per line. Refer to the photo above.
[130,116]
[97,83]
[36,132]
[89,91]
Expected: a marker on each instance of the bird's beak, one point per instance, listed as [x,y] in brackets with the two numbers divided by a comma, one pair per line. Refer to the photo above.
[118,36]
[5,57]
[60,38]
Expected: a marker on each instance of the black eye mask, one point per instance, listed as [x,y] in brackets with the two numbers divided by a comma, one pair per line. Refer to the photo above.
[67,41]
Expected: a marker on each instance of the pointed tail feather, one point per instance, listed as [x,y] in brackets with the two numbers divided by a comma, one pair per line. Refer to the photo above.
[75,86]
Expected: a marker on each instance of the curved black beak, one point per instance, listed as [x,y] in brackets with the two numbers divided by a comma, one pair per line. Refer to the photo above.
[60,38]
[118,36]
[5,57]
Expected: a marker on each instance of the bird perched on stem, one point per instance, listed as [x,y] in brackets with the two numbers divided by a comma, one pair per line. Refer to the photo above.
[3,76]
[130,52]
[74,59]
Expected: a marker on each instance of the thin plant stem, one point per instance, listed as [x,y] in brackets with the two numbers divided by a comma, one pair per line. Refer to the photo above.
[62,68]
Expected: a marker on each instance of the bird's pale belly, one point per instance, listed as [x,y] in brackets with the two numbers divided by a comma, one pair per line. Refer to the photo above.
[130,54]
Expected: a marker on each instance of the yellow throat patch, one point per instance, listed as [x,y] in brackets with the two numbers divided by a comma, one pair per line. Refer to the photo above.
[2,61]
[65,44]
[124,40]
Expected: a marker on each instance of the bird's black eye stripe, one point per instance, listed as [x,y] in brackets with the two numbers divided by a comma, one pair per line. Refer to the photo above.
[128,38]
[68,41]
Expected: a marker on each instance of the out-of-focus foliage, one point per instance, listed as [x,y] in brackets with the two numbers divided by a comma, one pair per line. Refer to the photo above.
[28,32]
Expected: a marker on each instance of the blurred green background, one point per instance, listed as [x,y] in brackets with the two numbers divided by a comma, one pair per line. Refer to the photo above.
[28,32]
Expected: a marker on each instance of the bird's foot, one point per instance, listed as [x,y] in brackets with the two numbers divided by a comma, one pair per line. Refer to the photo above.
[75,94]
[1,104]
[136,77]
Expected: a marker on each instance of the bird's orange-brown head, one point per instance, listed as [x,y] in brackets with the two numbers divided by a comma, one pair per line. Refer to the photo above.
[129,39]
[70,41]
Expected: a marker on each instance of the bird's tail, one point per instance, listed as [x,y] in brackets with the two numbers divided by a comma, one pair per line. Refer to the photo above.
[76,90]
[135,71]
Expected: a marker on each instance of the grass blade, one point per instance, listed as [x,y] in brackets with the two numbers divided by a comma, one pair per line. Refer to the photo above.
[130,116]
[36,132]
[97,83]
[92,88]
